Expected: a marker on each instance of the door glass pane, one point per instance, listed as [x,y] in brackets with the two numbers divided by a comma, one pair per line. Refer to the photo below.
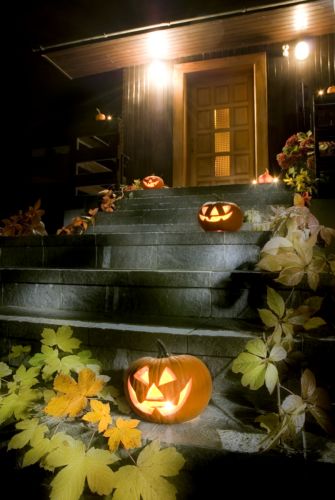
[222,166]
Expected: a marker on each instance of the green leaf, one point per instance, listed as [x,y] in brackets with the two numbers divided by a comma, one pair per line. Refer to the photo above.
[314,322]
[87,360]
[18,404]
[291,276]
[255,377]
[245,362]
[314,303]
[268,318]
[313,279]
[4,371]
[271,377]
[23,378]
[257,347]
[147,480]
[39,450]
[62,338]
[31,429]
[275,302]
[18,350]
[269,421]
[277,334]
[269,263]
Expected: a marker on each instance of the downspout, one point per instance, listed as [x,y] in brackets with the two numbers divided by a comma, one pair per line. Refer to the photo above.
[167,25]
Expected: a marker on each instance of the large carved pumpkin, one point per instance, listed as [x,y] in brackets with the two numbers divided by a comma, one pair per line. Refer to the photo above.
[152,182]
[168,389]
[220,216]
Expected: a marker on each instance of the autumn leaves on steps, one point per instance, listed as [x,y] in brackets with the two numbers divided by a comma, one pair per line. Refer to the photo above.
[62,419]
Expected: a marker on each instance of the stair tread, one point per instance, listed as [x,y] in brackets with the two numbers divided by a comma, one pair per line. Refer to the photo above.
[177,325]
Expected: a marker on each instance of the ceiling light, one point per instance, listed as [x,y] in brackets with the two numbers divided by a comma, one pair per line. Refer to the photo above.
[158,45]
[300,18]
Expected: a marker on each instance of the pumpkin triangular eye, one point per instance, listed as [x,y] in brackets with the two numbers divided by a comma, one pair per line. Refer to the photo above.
[204,209]
[143,375]
[167,376]
[226,209]
[214,211]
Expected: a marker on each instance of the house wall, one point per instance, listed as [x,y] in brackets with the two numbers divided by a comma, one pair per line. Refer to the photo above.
[291,85]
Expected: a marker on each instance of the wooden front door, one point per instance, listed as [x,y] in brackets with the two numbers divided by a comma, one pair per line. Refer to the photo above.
[220,127]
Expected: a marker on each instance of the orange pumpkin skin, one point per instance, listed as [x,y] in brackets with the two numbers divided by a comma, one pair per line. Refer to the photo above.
[265,178]
[152,182]
[331,89]
[220,216]
[100,117]
[180,396]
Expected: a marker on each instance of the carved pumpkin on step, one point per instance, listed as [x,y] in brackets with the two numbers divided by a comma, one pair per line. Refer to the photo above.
[152,182]
[220,216]
[168,389]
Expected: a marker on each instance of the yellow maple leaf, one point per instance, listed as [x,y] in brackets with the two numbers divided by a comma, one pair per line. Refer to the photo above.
[79,466]
[147,479]
[124,433]
[100,413]
[74,397]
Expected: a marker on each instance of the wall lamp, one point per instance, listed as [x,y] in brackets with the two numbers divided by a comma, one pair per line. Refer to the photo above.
[301,50]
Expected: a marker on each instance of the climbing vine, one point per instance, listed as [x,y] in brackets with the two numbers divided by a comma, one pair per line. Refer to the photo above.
[295,252]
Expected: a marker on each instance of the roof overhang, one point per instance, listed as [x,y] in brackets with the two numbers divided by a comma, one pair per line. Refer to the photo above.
[194,37]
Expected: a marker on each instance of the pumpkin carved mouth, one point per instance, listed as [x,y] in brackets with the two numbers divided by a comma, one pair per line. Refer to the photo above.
[215,215]
[155,400]
[215,218]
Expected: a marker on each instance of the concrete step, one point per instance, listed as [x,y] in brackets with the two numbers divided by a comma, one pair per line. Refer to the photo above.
[136,250]
[183,294]
[167,294]
[164,206]
[250,198]
[221,437]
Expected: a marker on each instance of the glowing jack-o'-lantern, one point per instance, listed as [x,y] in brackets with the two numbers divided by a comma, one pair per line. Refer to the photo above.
[220,216]
[152,182]
[168,389]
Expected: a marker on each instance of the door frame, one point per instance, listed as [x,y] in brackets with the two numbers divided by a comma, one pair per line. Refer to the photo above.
[256,62]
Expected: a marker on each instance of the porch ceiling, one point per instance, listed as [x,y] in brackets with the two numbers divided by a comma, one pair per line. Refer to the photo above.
[191,38]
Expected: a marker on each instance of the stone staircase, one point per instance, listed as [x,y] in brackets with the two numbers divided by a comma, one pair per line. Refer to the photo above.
[149,262]
[144,272]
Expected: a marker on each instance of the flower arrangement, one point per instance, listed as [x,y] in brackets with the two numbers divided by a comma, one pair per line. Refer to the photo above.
[297,161]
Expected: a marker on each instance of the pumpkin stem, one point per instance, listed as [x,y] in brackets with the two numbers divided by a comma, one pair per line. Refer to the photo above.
[162,351]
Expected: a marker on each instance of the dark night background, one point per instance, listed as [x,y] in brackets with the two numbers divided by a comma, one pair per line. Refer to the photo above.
[40,103]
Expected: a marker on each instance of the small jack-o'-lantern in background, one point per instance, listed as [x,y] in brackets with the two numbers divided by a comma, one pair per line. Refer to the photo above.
[152,182]
[265,178]
[220,216]
[168,389]
[100,117]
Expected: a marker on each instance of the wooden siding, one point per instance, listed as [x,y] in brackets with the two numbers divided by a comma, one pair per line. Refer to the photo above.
[227,32]
[291,87]
[148,115]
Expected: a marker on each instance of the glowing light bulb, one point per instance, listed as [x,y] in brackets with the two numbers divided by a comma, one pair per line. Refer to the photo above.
[301,51]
